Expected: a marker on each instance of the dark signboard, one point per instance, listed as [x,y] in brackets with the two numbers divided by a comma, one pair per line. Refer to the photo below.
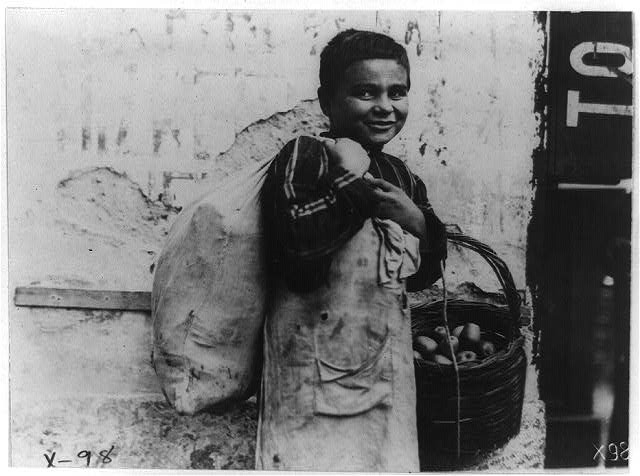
[580,235]
[590,88]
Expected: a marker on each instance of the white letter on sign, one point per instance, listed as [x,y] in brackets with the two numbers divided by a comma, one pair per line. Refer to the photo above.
[575,107]
[595,48]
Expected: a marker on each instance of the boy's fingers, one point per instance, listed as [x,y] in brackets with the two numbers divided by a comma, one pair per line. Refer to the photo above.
[380,183]
[379,193]
[382,196]
[374,181]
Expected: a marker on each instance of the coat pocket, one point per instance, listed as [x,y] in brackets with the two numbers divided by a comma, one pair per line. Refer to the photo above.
[349,390]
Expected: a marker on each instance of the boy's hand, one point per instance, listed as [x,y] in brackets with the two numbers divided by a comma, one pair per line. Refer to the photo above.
[348,154]
[396,205]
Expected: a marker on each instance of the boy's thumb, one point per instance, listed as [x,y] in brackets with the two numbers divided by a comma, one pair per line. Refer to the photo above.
[326,140]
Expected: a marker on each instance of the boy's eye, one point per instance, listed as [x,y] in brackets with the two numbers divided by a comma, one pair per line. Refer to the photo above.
[398,92]
[364,92]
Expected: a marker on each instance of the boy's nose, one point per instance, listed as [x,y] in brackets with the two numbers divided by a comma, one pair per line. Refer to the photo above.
[383,104]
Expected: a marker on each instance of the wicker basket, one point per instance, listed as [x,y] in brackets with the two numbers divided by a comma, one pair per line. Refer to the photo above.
[491,390]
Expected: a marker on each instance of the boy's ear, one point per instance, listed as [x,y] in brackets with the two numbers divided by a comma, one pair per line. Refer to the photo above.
[325,102]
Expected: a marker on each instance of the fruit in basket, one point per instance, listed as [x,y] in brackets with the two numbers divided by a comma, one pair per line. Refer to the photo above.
[470,336]
[440,333]
[466,356]
[441,359]
[457,331]
[471,332]
[487,348]
[426,346]
[445,349]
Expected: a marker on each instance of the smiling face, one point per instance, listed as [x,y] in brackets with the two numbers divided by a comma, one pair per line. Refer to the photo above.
[370,104]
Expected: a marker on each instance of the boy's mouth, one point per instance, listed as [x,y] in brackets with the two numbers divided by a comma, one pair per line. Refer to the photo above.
[380,125]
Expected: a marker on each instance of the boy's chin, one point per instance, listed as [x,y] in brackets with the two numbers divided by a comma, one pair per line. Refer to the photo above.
[376,140]
[368,138]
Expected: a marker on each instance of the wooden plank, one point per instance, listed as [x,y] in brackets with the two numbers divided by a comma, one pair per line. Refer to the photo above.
[114,300]
[83,298]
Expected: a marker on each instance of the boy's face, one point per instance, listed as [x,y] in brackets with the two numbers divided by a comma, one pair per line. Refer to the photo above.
[370,104]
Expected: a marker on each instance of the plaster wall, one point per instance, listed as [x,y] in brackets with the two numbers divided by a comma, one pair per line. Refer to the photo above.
[177,99]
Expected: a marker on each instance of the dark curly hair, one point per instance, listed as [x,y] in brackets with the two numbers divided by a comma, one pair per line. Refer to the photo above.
[353,45]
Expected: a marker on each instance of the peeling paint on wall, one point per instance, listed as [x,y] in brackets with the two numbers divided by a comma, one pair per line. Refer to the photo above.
[86,138]
[157,140]
[122,135]
[137,34]
[102,139]
[413,28]
[61,136]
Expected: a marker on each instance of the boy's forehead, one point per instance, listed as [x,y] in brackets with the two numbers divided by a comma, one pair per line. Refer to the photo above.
[373,70]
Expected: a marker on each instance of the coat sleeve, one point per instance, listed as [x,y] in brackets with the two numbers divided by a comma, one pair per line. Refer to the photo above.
[315,208]
[432,250]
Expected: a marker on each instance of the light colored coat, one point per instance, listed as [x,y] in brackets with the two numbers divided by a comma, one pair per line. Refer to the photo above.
[338,385]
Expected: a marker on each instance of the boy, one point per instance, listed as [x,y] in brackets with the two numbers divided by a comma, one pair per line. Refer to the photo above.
[347,226]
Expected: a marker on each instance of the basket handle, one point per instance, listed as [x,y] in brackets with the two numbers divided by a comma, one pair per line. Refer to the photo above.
[499,268]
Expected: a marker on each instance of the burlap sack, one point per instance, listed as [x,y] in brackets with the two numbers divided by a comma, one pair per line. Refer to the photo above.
[209,295]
